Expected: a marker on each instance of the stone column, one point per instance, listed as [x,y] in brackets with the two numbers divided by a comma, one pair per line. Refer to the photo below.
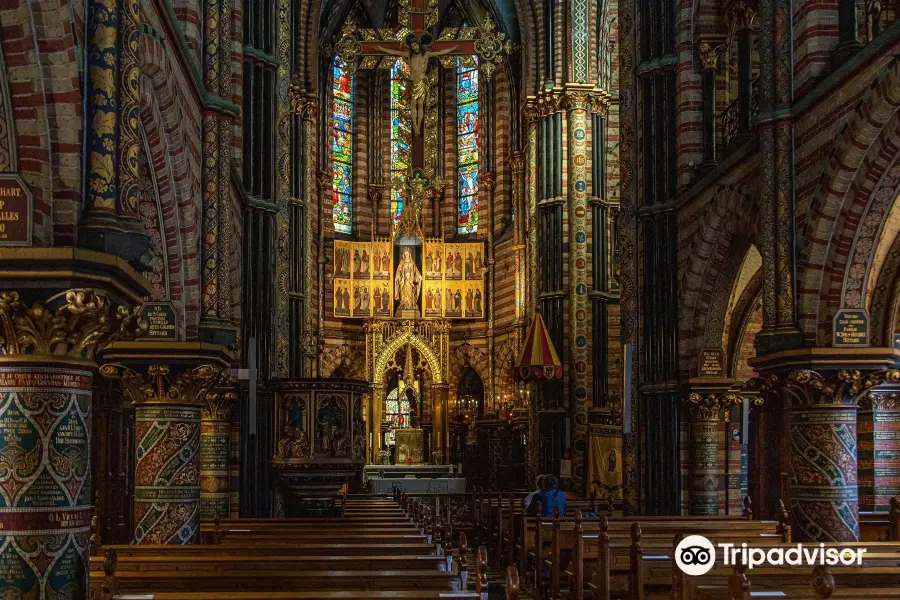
[820,414]
[879,430]
[847,30]
[215,453]
[742,16]
[578,106]
[709,59]
[705,407]
[167,452]
[46,365]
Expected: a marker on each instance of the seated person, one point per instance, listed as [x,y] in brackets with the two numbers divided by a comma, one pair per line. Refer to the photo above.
[530,504]
[552,497]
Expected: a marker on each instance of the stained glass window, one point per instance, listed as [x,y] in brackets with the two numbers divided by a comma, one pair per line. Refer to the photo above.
[467,143]
[342,147]
[401,137]
[396,413]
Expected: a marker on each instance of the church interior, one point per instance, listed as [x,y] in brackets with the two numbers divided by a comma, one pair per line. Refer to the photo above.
[312,299]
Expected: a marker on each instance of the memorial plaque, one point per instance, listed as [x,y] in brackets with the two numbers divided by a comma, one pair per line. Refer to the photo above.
[163,322]
[15,211]
[851,328]
[712,363]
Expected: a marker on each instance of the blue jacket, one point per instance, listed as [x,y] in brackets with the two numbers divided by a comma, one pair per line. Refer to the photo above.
[552,498]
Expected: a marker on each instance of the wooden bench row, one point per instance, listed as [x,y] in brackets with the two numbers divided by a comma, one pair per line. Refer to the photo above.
[651,572]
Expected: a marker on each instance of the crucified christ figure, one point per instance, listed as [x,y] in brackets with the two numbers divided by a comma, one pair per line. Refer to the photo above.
[417,58]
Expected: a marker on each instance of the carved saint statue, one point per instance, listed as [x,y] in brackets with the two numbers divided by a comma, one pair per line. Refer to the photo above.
[407,281]
[417,58]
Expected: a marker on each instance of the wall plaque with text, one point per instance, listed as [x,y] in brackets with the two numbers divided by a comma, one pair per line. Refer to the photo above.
[851,328]
[162,321]
[712,363]
[15,211]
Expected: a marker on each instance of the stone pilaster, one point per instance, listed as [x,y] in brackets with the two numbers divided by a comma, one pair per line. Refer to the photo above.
[46,372]
[167,449]
[215,454]
[705,405]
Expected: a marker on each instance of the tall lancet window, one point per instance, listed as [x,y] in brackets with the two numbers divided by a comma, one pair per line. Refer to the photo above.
[467,143]
[401,137]
[342,147]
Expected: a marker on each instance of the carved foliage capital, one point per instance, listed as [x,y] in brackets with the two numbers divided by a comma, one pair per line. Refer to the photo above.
[576,100]
[806,387]
[517,162]
[78,327]
[709,406]
[217,406]
[157,386]
[709,52]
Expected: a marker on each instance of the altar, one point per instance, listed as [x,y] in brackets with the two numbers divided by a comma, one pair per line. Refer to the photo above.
[413,479]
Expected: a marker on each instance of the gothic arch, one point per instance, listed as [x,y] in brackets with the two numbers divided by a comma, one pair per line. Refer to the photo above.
[847,213]
[740,315]
[467,355]
[712,255]
[395,345]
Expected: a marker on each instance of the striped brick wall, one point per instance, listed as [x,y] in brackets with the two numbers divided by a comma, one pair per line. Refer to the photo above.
[39,50]
[688,101]
[815,37]
[188,14]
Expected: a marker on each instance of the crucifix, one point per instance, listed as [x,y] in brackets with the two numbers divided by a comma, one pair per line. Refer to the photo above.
[414,41]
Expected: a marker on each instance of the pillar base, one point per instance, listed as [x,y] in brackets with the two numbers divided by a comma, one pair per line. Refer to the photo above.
[773,340]
[218,332]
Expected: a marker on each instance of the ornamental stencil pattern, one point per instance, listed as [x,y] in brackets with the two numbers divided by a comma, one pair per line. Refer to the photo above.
[824,493]
[167,474]
[580,45]
[45,486]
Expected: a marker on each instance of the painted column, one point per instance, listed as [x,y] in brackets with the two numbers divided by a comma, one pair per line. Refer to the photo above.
[103,85]
[167,452]
[578,108]
[215,454]
[820,412]
[530,282]
[210,179]
[879,433]
[46,366]
[775,127]
[45,485]
[706,471]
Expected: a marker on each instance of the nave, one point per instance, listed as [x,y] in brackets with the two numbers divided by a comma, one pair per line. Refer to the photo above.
[417,546]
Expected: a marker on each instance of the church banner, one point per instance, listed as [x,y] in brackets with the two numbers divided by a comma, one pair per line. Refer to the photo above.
[446,280]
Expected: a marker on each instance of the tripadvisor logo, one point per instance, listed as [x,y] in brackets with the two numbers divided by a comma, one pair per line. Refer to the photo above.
[695,555]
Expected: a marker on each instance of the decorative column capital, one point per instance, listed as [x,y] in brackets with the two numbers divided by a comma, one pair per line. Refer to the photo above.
[302,103]
[709,51]
[741,15]
[879,400]
[577,99]
[517,162]
[324,180]
[805,387]
[217,406]
[708,406]
[157,386]
[531,110]
[488,178]
[375,193]
[76,324]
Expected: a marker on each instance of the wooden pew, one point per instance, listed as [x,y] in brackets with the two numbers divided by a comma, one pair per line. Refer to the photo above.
[657,532]
[201,573]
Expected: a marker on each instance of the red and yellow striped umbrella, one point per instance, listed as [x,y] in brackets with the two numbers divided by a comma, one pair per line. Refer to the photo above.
[538,359]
